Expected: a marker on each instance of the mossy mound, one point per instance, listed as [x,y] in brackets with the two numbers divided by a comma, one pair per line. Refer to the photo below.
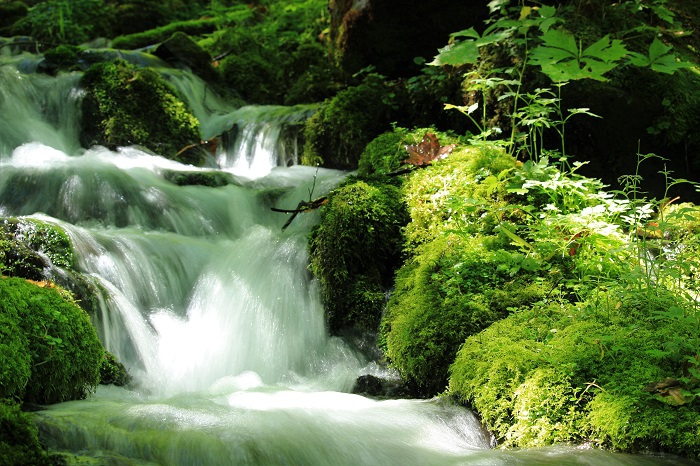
[387,152]
[19,439]
[354,251]
[182,51]
[591,371]
[26,244]
[451,288]
[113,372]
[125,105]
[336,135]
[54,354]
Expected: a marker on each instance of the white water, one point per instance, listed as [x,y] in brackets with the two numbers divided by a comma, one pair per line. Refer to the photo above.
[210,305]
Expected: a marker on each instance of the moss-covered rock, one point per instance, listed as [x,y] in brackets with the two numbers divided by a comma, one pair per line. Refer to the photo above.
[58,339]
[451,288]
[213,179]
[113,372]
[146,35]
[182,51]
[126,105]
[559,372]
[354,251]
[19,439]
[337,134]
[29,246]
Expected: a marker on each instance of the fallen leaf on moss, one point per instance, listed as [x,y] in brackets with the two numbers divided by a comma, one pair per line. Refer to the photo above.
[428,150]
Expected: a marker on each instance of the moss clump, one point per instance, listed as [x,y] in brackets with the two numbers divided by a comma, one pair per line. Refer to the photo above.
[19,439]
[181,50]
[561,372]
[336,135]
[453,287]
[26,243]
[57,338]
[126,105]
[113,372]
[354,251]
[212,179]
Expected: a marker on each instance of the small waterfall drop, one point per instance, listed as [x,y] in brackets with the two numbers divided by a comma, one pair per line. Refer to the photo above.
[263,138]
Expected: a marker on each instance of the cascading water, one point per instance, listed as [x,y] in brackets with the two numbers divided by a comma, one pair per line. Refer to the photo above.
[210,305]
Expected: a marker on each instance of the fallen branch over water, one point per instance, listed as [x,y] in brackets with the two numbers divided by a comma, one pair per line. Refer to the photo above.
[303,206]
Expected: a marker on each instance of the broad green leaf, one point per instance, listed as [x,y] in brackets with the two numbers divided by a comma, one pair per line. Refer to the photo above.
[462,53]
[547,11]
[637,59]
[657,49]
[471,32]
[560,39]
[659,58]
[606,50]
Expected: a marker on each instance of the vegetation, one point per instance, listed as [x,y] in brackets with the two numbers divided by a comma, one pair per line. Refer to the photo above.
[19,440]
[337,134]
[54,354]
[354,251]
[126,105]
[557,308]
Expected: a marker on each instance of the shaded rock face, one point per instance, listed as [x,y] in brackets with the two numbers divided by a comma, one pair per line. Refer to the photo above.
[389,34]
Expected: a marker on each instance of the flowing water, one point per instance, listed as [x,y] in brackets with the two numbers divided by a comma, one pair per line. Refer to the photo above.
[210,305]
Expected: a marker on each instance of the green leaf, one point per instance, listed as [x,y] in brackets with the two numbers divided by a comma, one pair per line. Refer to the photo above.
[462,53]
[606,50]
[562,60]
[659,58]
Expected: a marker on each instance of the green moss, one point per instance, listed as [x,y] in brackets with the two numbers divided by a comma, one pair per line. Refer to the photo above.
[19,439]
[565,372]
[354,251]
[181,50]
[213,179]
[250,75]
[451,288]
[113,372]
[337,134]
[154,36]
[59,340]
[465,192]
[24,241]
[127,105]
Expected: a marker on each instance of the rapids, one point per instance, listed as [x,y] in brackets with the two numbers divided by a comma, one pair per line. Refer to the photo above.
[209,302]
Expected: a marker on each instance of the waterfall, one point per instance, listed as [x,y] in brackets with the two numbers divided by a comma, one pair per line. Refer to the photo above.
[210,304]
[263,138]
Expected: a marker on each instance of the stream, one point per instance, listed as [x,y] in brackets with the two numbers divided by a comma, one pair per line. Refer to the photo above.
[209,303]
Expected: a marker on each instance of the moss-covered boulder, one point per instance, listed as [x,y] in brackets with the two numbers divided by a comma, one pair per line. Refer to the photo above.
[354,251]
[113,372]
[29,246]
[58,340]
[19,439]
[126,105]
[451,288]
[182,51]
[612,370]
[336,135]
